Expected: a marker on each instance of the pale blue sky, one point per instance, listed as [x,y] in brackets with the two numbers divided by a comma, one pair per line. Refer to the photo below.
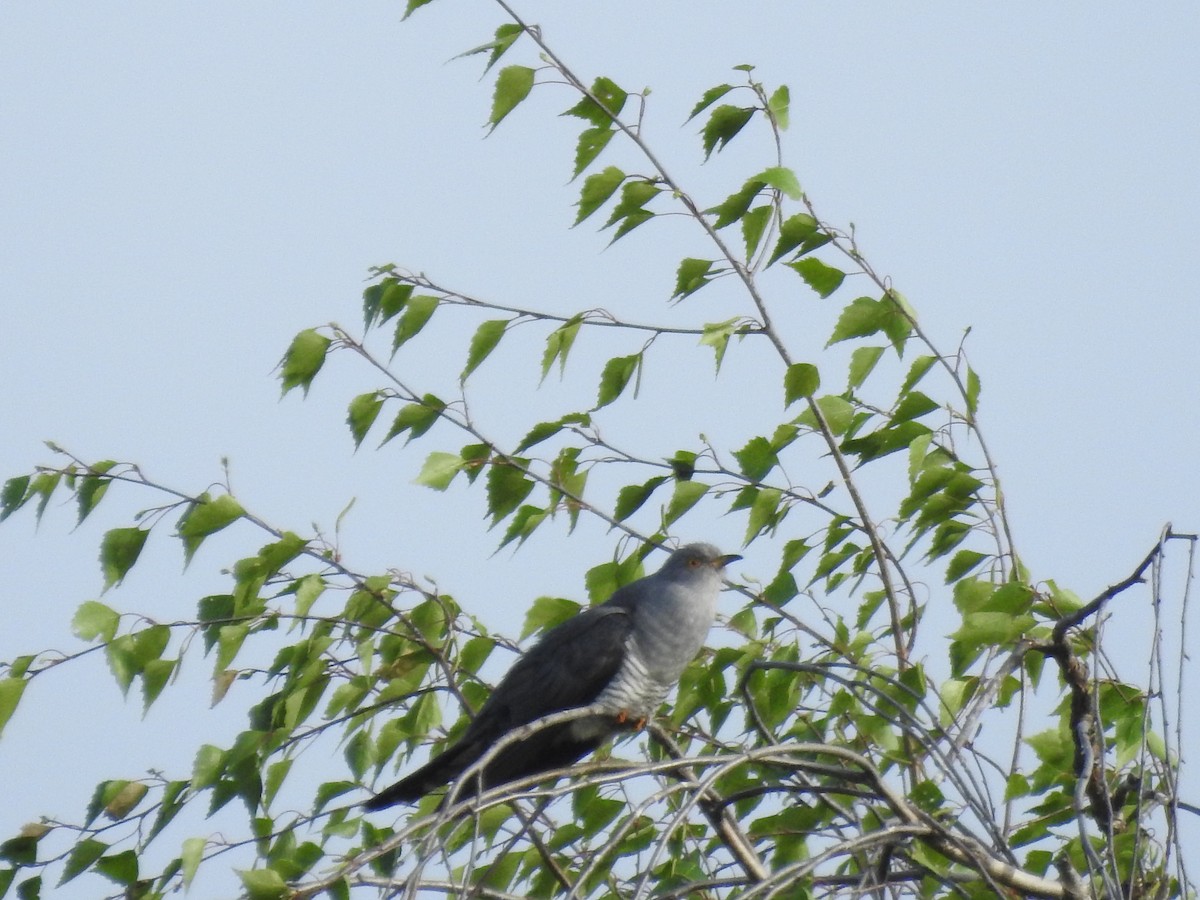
[185,186]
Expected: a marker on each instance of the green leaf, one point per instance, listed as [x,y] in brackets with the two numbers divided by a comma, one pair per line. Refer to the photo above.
[735,205]
[992,628]
[754,226]
[821,278]
[413,6]
[764,513]
[119,550]
[612,100]
[547,612]
[513,85]
[439,470]
[596,191]
[190,857]
[155,675]
[504,37]
[558,346]
[363,411]
[95,620]
[778,104]
[417,313]
[973,388]
[692,275]
[635,194]
[799,381]
[962,563]
[591,144]
[632,497]
[757,458]
[866,316]
[717,334]
[484,341]
[616,376]
[723,125]
[711,96]
[783,180]
[416,418]
[545,430]
[384,300]
[92,489]
[303,360]
[81,857]
[267,884]
[687,494]
[862,363]
[204,517]
[11,690]
[800,230]
[507,486]
[124,800]
[13,495]
[838,413]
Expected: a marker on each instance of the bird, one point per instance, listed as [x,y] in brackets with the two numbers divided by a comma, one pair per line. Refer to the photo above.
[622,656]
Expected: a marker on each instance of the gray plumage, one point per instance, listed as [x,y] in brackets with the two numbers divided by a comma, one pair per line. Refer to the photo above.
[624,655]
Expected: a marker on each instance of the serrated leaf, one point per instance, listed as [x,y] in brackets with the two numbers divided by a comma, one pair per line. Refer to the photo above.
[963,562]
[361,415]
[920,366]
[81,857]
[524,522]
[417,313]
[799,381]
[992,628]
[513,85]
[723,125]
[413,6]
[416,418]
[123,802]
[558,346]
[11,690]
[483,342]
[544,430]
[504,37]
[692,275]
[764,513]
[596,191]
[799,230]
[862,362]
[630,222]
[717,334]
[783,180]
[754,226]
[206,516]
[190,857]
[635,194]
[95,620]
[756,459]
[821,278]
[155,675]
[303,360]
[735,205]
[92,489]
[687,494]
[612,100]
[507,487]
[973,388]
[267,884]
[711,96]
[384,300]
[632,497]
[546,612]
[13,495]
[591,144]
[616,375]
[439,470]
[119,551]
[778,104]
[860,318]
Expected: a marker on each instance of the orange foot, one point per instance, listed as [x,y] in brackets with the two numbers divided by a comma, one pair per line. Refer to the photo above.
[623,718]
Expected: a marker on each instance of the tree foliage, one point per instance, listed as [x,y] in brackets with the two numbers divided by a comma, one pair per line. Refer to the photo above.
[897,705]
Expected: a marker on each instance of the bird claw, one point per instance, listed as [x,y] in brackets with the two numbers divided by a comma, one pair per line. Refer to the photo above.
[623,718]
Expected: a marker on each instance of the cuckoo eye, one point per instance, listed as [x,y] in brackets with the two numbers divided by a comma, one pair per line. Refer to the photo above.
[694,563]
